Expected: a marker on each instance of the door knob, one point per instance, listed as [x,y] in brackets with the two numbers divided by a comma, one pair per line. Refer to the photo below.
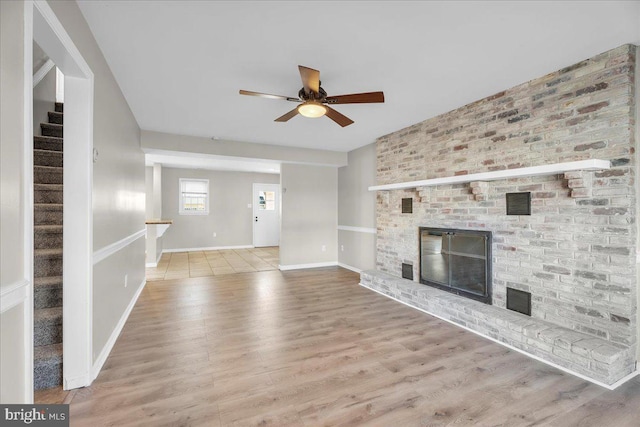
[256,219]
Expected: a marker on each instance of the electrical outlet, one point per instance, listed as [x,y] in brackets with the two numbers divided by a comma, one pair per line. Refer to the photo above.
[249,205]
[215,234]
[126,280]
[341,248]
[324,248]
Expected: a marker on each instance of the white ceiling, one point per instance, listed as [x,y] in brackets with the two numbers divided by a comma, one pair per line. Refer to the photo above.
[180,64]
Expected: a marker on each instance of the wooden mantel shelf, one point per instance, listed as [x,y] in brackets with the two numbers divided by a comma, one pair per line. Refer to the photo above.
[553,169]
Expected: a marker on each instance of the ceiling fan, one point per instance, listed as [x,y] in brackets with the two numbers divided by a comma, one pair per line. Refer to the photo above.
[314,101]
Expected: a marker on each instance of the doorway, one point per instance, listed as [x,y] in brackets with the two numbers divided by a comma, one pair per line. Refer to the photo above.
[266,215]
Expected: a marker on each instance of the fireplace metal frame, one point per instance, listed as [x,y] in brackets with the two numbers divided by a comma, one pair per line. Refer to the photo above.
[487,297]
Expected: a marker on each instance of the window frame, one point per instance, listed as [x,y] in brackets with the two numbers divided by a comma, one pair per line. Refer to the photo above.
[181,210]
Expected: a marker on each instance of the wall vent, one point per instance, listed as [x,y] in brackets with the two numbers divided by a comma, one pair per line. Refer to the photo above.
[518,203]
[519,301]
[407,271]
[407,205]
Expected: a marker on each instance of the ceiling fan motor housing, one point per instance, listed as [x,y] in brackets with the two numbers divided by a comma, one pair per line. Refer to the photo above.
[311,96]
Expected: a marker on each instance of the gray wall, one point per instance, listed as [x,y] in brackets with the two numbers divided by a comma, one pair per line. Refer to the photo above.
[309,215]
[118,184]
[229,217]
[44,99]
[357,208]
[12,245]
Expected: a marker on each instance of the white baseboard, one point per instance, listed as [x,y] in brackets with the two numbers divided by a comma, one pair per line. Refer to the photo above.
[106,350]
[81,381]
[302,266]
[211,248]
[154,264]
[349,267]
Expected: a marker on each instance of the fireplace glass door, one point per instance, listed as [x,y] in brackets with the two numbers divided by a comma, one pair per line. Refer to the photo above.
[457,261]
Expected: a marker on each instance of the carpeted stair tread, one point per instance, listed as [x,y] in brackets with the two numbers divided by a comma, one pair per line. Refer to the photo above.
[47,292]
[52,314]
[51,353]
[50,129]
[50,228]
[47,158]
[59,107]
[47,213]
[47,236]
[47,326]
[48,281]
[48,253]
[47,175]
[47,193]
[56,117]
[49,143]
[47,366]
[48,187]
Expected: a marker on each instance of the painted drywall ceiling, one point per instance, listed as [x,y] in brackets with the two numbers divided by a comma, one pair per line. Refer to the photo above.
[180,64]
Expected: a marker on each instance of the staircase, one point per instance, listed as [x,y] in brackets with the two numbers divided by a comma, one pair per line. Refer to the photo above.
[47,243]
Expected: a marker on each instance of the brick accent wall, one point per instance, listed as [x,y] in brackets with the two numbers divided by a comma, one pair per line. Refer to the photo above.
[576,253]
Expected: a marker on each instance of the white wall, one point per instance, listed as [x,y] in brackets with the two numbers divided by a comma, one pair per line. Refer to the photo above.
[357,210]
[44,100]
[118,188]
[230,217]
[309,215]
[15,271]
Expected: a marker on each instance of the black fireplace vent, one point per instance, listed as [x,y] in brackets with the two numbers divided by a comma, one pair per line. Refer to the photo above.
[519,301]
[407,271]
[518,203]
[407,205]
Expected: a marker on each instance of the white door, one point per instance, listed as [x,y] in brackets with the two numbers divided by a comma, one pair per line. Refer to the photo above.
[266,215]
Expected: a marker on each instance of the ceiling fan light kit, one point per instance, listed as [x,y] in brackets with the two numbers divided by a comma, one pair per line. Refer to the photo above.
[312,109]
[314,100]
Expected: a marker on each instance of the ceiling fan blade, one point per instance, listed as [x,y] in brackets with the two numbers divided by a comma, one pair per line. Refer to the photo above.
[286,117]
[337,117]
[356,98]
[267,95]
[310,79]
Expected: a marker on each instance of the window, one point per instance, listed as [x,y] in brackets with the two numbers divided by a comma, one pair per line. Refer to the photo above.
[267,200]
[194,196]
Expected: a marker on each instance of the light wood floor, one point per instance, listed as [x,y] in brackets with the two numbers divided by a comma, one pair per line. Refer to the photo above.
[184,265]
[312,348]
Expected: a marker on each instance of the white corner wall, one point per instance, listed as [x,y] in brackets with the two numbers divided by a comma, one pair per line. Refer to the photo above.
[16,272]
[118,193]
[357,210]
[309,216]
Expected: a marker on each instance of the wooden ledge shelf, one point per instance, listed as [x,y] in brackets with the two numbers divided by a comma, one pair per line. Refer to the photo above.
[553,169]
[161,225]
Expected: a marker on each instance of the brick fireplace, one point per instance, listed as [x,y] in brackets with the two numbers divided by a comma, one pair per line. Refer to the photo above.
[575,254]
